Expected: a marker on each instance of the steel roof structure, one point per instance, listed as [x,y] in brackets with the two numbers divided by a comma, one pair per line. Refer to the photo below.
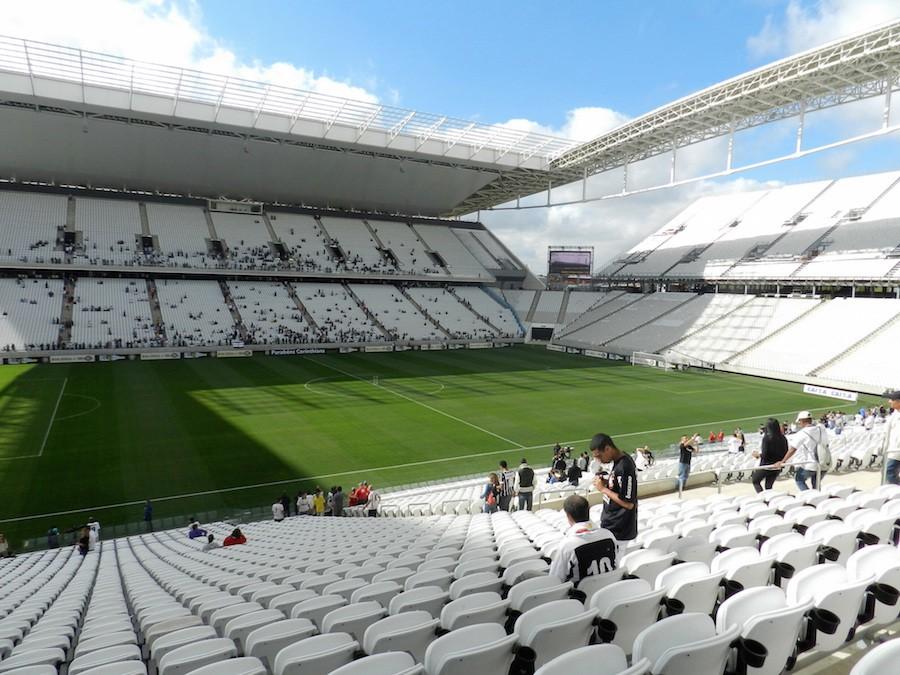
[837,73]
[238,138]
[73,117]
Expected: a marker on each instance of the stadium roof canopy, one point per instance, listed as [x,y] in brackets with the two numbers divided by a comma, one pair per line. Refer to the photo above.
[73,117]
[837,73]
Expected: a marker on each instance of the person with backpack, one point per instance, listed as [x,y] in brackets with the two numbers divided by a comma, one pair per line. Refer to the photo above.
[525,485]
[810,452]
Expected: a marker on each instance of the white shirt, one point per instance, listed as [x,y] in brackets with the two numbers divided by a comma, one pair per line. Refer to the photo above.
[302,505]
[892,436]
[277,511]
[640,462]
[734,445]
[805,441]
[374,501]
[586,550]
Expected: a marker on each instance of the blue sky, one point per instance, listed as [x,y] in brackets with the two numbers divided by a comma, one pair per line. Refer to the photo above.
[575,68]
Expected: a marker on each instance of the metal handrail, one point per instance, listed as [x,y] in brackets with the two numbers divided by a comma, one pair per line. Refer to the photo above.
[94,69]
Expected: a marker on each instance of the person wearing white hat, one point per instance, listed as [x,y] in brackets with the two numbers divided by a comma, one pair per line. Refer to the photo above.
[892,438]
[802,451]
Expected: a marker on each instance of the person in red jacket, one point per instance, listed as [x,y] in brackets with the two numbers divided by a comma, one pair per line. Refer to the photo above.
[236,537]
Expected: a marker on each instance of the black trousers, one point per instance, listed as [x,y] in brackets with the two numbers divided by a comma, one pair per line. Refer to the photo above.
[762,475]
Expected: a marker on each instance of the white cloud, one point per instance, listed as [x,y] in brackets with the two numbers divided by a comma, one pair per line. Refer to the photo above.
[160,31]
[582,124]
[807,25]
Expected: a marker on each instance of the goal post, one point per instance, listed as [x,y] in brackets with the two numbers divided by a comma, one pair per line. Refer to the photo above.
[652,360]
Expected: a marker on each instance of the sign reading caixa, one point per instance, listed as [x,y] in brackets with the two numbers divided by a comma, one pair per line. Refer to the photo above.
[829,392]
[295,352]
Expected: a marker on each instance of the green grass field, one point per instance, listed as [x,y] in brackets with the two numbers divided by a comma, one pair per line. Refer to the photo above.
[86,437]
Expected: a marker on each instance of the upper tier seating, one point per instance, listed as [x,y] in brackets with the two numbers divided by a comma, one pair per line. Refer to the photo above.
[304,240]
[406,246]
[112,313]
[360,250]
[842,229]
[29,226]
[182,233]
[29,312]
[109,229]
[246,240]
[458,259]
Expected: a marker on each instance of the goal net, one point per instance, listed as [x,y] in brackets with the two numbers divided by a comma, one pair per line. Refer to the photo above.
[652,360]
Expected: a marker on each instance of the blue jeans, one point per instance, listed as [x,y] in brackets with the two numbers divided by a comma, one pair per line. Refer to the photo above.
[684,470]
[893,471]
[802,475]
[525,501]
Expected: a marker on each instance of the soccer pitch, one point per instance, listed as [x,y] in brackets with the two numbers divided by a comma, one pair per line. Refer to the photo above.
[204,434]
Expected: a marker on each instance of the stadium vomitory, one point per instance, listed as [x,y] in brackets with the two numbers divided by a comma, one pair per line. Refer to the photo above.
[227,303]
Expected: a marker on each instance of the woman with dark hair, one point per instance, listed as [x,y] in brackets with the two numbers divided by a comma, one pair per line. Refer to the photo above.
[235,538]
[490,493]
[774,448]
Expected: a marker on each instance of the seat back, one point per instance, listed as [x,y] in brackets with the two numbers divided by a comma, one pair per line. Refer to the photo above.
[316,655]
[880,660]
[533,592]
[315,609]
[266,641]
[410,632]
[353,619]
[390,663]
[555,628]
[632,605]
[482,648]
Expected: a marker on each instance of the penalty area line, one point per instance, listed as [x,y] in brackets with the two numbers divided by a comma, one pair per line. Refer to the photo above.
[62,390]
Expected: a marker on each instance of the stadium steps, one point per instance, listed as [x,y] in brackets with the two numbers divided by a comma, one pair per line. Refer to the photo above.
[789,324]
[812,251]
[534,305]
[306,315]
[235,314]
[750,298]
[332,245]
[563,307]
[68,309]
[158,324]
[210,225]
[273,236]
[387,254]
[609,297]
[374,319]
[471,309]
[424,312]
[429,250]
[652,319]
[145,220]
[638,297]
[855,346]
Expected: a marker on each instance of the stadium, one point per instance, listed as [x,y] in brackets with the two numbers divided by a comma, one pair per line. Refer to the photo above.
[220,293]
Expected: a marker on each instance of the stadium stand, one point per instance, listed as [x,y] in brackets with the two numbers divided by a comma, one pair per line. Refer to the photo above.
[270,314]
[30,313]
[195,314]
[182,233]
[31,224]
[395,312]
[304,240]
[161,603]
[112,313]
[109,229]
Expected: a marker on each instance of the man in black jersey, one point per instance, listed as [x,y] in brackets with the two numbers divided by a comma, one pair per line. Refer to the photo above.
[619,488]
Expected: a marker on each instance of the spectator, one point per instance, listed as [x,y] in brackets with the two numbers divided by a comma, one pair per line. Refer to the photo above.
[685,454]
[302,504]
[619,488]
[286,504]
[84,541]
[712,436]
[734,444]
[892,438]
[642,458]
[583,462]
[525,485]
[587,550]
[489,493]
[95,528]
[337,502]
[196,531]
[507,485]
[720,436]
[148,515]
[373,501]
[574,474]
[53,538]
[774,447]
[277,511]
[235,538]
[803,450]
[4,547]
[211,543]
[319,503]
